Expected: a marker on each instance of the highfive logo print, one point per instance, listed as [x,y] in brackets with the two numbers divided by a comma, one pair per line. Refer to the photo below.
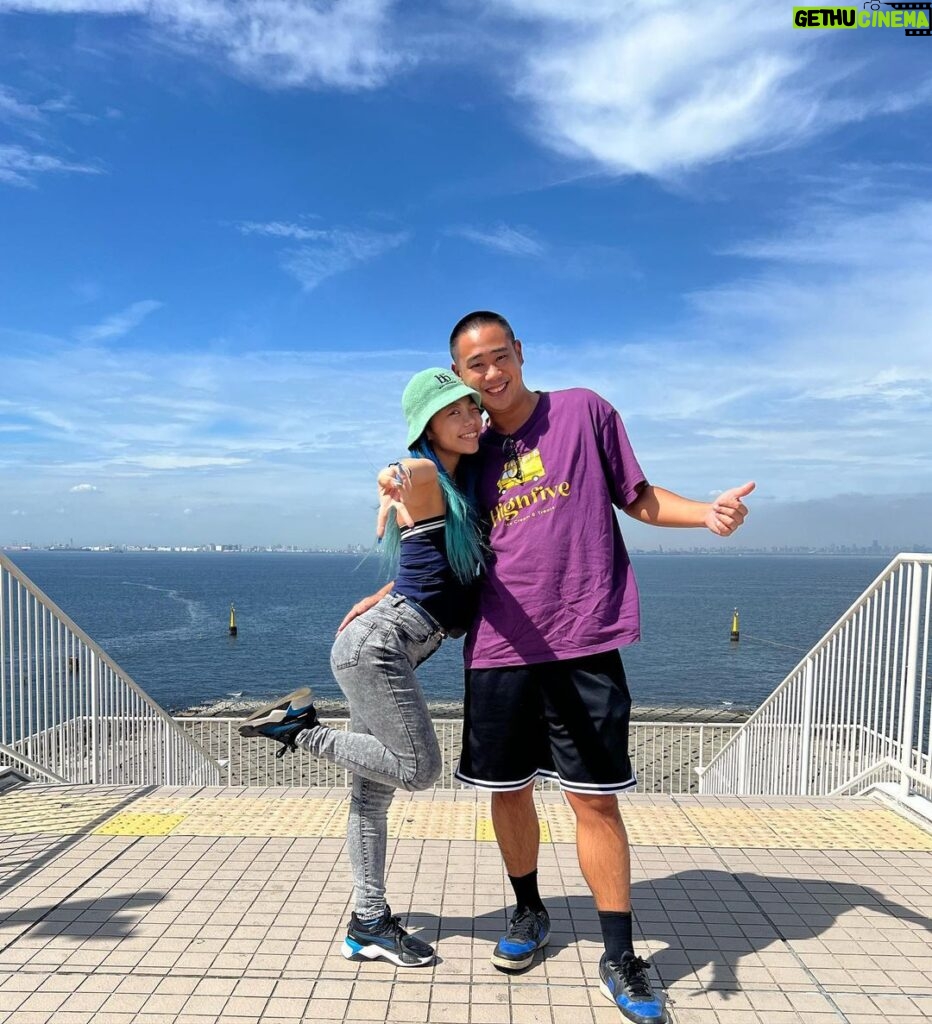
[526,469]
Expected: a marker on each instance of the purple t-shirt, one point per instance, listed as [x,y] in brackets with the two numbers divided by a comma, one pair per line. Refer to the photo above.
[559,583]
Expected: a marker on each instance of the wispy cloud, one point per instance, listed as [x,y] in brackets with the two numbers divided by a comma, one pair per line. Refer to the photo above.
[176,461]
[82,489]
[281,229]
[118,324]
[810,370]
[813,371]
[20,166]
[900,236]
[502,238]
[247,436]
[275,42]
[12,108]
[328,251]
[661,86]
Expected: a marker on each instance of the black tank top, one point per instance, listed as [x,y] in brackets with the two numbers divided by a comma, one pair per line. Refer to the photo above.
[425,576]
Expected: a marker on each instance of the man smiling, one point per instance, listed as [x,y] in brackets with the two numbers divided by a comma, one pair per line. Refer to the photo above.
[546,693]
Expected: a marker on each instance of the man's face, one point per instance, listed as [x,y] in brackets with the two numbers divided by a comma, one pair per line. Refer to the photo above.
[490,363]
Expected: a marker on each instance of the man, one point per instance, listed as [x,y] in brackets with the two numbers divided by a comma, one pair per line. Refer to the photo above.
[545,687]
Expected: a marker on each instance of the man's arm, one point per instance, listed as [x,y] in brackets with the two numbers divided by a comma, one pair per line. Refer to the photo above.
[397,483]
[660,507]
[364,605]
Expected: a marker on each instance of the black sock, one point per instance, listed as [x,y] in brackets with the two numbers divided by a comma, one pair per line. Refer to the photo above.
[526,892]
[616,933]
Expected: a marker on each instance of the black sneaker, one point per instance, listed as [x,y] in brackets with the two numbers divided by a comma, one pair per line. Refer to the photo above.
[385,940]
[628,987]
[528,932]
[283,719]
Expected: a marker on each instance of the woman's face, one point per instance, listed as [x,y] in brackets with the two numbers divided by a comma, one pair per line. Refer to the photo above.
[456,428]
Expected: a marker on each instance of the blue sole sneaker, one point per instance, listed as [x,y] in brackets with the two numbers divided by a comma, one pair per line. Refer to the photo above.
[283,719]
[385,939]
[627,985]
[528,931]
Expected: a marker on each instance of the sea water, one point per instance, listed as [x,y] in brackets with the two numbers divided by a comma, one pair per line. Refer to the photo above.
[164,619]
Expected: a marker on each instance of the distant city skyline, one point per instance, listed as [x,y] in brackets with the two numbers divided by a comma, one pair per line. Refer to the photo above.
[229,241]
[875,550]
[823,525]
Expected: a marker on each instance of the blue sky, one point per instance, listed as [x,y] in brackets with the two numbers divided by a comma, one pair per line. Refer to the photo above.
[231,231]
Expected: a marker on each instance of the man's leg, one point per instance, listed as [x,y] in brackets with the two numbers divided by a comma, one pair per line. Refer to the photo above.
[517,830]
[588,708]
[602,848]
[504,746]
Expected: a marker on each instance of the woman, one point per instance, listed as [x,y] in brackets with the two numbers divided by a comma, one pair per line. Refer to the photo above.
[432,540]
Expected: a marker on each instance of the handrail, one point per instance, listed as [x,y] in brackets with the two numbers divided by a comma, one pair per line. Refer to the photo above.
[13,758]
[66,705]
[858,699]
[666,755]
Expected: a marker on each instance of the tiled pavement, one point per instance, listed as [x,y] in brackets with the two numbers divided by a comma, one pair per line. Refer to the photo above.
[123,906]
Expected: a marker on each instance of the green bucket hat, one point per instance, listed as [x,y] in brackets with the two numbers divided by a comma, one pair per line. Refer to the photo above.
[428,392]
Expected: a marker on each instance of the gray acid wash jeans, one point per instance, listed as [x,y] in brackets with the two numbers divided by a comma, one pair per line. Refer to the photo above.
[391,743]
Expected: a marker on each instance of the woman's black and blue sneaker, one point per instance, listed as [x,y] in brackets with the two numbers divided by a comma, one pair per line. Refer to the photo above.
[283,719]
[627,985]
[528,931]
[385,939]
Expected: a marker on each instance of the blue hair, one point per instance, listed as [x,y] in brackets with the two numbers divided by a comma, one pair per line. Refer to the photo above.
[465,550]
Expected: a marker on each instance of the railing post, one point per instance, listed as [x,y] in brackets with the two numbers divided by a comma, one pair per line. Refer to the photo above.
[94,715]
[908,696]
[167,752]
[805,748]
[742,763]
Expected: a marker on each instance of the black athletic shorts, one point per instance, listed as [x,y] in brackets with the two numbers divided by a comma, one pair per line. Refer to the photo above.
[566,720]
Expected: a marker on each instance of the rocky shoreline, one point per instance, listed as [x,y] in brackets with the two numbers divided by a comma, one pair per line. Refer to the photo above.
[236,708]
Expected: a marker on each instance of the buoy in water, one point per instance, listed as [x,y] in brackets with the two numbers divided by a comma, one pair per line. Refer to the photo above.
[735,632]
[232,620]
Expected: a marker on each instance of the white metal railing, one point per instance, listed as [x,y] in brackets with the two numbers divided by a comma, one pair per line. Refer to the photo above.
[69,713]
[665,754]
[855,712]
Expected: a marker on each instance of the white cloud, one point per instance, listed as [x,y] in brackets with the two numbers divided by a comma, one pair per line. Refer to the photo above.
[118,324]
[311,265]
[281,229]
[811,375]
[20,166]
[328,251]
[502,238]
[901,236]
[176,461]
[83,489]
[14,109]
[811,372]
[661,86]
[337,43]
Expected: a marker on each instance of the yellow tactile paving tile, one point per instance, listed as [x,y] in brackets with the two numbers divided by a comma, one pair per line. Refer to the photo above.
[485,832]
[216,815]
[132,823]
[431,820]
[646,826]
[860,828]
[55,811]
